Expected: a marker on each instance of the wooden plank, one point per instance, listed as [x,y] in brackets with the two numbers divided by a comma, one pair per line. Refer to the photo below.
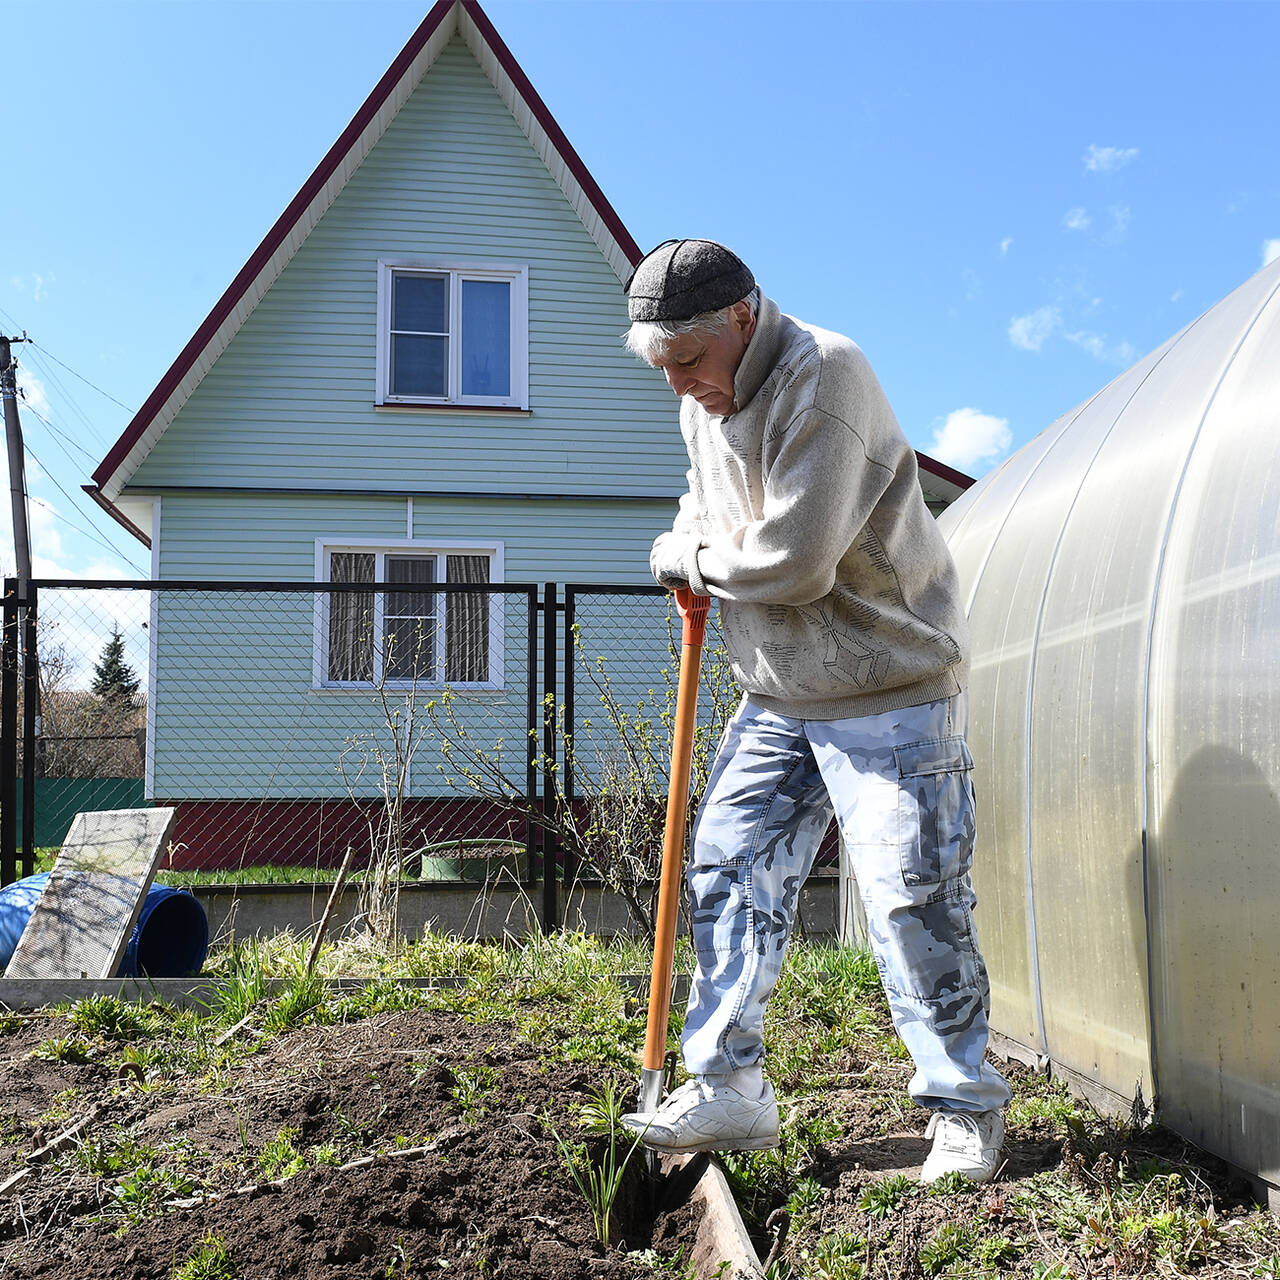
[81,925]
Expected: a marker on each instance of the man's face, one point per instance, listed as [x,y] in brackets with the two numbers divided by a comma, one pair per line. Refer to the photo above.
[703,366]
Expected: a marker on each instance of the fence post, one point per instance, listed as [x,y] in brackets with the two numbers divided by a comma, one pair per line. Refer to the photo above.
[570,855]
[9,736]
[30,706]
[531,836]
[550,906]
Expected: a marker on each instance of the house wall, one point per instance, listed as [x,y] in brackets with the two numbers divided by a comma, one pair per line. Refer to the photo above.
[291,401]
[235,714]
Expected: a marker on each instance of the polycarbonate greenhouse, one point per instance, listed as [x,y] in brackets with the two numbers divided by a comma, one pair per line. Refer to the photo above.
[1122,574]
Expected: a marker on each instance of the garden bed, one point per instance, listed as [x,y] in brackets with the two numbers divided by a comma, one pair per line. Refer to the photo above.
[388,1141]
[402,1130]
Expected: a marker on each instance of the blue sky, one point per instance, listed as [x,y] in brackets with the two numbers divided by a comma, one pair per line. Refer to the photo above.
[1005,204]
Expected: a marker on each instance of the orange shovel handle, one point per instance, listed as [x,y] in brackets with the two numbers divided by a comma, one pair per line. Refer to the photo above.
[693,609]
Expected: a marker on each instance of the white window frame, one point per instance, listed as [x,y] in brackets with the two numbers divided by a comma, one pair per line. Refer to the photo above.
[457,270]
[418,548]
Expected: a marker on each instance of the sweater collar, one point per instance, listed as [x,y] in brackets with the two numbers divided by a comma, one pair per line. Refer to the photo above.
[760,356]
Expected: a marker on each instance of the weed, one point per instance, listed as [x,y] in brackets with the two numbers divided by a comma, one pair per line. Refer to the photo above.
[880,1199]
[280,1158]
[838,1256]
[301,1001]
[599,1183]
[1054,1104]
[69,1049]
[325,1153]
[602,1112]
[144,1191]
[949,1184]
[473,1085]
[1268,1268]
[110,1018]
[805,1195]
[950,1245]
[209,1260]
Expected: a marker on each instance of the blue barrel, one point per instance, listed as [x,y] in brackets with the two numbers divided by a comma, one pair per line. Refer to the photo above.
[170,940]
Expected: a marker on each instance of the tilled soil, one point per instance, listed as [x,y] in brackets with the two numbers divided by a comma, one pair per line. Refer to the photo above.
[448,1127]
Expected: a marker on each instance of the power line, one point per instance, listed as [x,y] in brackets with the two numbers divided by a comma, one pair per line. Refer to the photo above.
[31,409]
[102,542]
[46,372]
[82,378]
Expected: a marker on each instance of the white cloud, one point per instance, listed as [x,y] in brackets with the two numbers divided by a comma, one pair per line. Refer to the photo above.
[33,391]
[971,440]
[1270,251]
[1032,331]
[35,282]
[1005,245]
[1176,295]
[1077,219]
[1121,353]
[1108,159]
[1121,216]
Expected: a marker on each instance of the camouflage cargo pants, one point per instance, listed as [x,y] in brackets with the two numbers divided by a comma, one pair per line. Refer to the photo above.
[901,790]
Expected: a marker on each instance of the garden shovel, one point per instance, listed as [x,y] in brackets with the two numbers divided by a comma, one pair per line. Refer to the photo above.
[693,609]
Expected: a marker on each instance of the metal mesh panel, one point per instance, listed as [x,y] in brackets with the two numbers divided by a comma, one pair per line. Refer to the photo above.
[286,724]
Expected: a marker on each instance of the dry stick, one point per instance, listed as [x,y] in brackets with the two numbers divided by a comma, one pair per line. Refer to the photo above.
[363,1162]
[329,907]
[66,1137]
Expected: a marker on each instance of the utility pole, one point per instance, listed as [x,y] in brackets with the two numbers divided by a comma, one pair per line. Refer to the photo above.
[17,465]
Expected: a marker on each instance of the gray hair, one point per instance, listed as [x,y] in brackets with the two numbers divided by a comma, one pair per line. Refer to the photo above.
[649,338]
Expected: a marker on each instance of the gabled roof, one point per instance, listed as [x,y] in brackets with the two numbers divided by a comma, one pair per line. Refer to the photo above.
[446,19]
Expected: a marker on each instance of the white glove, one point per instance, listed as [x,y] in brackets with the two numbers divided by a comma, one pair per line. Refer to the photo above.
[669,559]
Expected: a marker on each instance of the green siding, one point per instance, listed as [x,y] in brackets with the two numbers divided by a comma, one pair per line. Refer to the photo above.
[235,714]
[290,402]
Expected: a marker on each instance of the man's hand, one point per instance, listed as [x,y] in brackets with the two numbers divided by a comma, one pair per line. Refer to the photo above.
[670,556]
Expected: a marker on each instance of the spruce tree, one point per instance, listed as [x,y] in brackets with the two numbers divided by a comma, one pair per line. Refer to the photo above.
[113,678]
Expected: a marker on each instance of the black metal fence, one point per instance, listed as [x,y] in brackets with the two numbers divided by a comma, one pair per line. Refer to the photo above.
[293,723]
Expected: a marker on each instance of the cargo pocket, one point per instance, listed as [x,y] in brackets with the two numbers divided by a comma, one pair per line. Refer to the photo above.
[935,810]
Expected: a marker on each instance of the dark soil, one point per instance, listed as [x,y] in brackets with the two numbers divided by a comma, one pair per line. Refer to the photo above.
[465,1178]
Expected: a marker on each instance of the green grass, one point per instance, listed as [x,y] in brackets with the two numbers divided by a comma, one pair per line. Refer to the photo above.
[209,1260]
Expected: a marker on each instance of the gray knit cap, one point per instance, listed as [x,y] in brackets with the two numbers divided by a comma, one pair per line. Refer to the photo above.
[681,279]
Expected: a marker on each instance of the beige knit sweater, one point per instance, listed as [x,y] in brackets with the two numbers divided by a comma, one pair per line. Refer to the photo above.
[838,596]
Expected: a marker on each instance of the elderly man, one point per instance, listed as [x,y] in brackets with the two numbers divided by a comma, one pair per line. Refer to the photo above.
[840,610]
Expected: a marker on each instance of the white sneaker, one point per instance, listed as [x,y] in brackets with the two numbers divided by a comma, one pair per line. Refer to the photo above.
[964,1142]
[699,1116]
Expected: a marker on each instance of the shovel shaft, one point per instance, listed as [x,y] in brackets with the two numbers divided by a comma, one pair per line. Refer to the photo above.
[693,609]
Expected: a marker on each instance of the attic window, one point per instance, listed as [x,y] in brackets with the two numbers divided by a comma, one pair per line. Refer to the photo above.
[453,333]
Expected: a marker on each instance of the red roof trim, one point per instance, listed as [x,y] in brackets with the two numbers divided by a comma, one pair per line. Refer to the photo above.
[115,513]
[942,471]
[323,172]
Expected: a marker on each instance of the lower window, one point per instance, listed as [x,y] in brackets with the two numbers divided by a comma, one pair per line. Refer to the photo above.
[406,633]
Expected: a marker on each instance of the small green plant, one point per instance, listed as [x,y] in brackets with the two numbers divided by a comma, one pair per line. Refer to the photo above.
[951,1245]
[69,1049]
[949,1184]
[280,1158]
[805,1195]
[1050,1271]
[109,1017]
[401,1261]
[325,1153]
[602,1112]
[301,1001]
[472,1086]
[599,1183]
[880,1199]
[838,1256]
[209,1260]
[147,1188]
